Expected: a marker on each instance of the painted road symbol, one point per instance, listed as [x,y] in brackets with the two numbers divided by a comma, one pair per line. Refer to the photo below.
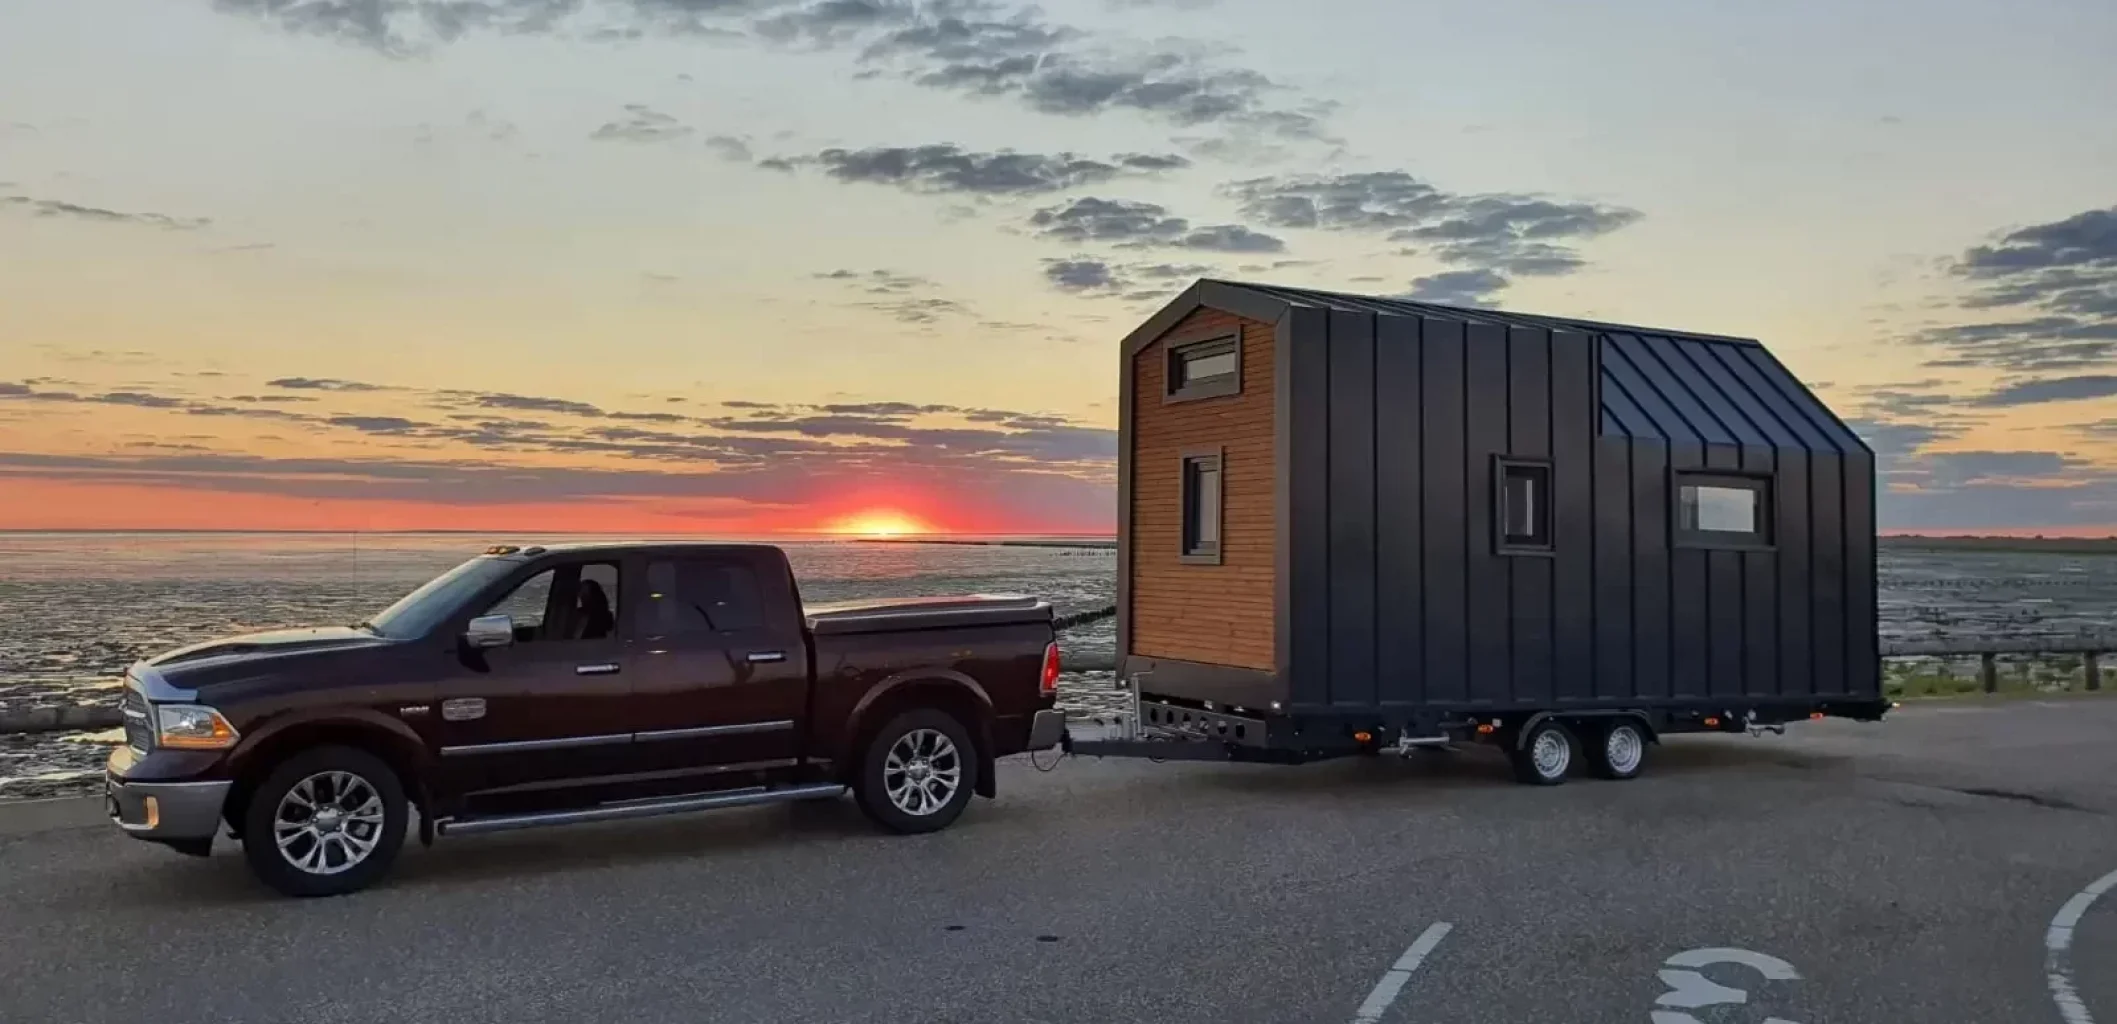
[1690,990]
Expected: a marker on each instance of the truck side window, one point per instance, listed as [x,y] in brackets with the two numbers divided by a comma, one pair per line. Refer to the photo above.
[525,604]
[698,596]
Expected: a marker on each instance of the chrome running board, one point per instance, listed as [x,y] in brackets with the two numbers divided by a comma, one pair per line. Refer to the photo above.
[650,808]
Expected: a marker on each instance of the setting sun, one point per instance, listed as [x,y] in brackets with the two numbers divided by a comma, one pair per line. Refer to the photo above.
[879,523]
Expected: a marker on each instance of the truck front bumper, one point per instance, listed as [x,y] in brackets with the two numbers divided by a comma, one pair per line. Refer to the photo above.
[1046,728]
[165,810]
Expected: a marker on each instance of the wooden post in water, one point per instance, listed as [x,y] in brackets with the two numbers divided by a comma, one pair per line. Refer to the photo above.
[1989,663]
[2094,670]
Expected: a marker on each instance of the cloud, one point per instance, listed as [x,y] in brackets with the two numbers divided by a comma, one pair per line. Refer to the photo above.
[979,48]
[140,400]
[2057,284]
[530,403]
[375,424]
[730,147]
[1492,237]
[642,124]
[322,384]
[1082,274]
[74,211]
[1131,224]
[948,168]
[1457,287]
[900,295]
[2050,389]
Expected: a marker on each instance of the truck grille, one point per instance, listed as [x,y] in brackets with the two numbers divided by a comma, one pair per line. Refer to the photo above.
[133,706]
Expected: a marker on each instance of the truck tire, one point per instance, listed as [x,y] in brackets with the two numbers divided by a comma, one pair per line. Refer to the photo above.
[1546,754]
[918,772]
[1620,750]
[325,822]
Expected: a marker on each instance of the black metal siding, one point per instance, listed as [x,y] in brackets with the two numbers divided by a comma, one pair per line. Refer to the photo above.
[1400,599]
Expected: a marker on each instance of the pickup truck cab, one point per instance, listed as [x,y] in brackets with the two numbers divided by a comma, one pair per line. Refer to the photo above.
[535,686]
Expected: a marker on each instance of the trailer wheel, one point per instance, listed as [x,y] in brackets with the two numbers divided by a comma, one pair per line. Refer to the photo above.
[1622,751]
[1546,754]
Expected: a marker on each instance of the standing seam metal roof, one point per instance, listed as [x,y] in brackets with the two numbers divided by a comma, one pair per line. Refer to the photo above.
[1661,385]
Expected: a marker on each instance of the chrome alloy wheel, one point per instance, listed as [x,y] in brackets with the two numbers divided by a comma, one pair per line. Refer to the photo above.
[328,822]
[1551,754]
[1623,748]
[922,772]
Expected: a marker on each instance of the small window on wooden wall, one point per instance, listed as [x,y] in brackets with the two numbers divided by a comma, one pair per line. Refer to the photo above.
[1205,369]
[1202,504]
[1523,504]
[1722,511]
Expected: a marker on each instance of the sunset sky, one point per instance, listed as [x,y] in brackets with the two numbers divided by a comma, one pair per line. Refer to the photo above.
[760,265]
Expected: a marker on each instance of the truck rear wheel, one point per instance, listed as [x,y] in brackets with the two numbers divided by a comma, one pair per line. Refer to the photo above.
[918,772]
[1546,754]
[325,822]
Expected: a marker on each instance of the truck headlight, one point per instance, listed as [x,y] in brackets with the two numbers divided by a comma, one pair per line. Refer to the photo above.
[192,727]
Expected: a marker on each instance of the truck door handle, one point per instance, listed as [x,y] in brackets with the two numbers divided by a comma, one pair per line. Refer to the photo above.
[757,656]
[595,670]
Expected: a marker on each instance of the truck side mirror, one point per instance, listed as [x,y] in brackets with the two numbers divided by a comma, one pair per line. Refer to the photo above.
[490,631]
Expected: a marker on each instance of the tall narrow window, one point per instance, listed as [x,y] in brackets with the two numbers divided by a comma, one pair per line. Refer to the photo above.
[1524,507]
[1723,511]
[1205,369]
[1201,508]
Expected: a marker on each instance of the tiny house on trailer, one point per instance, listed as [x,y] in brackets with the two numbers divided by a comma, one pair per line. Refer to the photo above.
[1350,523]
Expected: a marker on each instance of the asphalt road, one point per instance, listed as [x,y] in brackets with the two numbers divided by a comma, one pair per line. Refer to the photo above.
[1904,872]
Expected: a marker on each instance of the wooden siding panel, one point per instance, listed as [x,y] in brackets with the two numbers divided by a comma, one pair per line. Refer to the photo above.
[1210,614]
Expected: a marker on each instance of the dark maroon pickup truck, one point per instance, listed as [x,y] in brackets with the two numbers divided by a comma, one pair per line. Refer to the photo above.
[554,685]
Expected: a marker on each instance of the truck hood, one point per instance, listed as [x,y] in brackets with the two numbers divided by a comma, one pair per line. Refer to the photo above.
[872,616]
[271,643]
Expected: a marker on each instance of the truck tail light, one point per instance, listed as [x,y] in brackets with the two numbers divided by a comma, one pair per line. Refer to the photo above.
[1047,682]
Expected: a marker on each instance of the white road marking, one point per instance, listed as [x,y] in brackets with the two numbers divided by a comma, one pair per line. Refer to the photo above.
[1392,983]
[2058,950]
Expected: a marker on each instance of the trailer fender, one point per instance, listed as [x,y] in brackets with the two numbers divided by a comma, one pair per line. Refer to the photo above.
[1646,724]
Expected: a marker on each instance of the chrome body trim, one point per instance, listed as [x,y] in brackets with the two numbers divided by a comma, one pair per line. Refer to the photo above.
[738,729]
[523,746]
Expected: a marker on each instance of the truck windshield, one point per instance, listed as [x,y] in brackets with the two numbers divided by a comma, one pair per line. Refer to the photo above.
[417,613]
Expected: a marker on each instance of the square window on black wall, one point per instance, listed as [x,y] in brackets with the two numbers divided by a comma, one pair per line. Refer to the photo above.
[1720,510]
[1522,503]
[1203,501]
[1205,369]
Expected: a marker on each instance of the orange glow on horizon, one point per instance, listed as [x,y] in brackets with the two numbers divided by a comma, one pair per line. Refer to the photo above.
[878,523]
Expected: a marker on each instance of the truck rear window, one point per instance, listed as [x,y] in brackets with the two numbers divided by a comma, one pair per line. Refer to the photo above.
[691,596]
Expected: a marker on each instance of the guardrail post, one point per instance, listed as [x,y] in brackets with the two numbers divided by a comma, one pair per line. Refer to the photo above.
[2094,670]
[1989,664]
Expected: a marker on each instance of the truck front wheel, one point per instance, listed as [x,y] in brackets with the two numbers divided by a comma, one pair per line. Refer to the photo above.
[918,772]
[326,821]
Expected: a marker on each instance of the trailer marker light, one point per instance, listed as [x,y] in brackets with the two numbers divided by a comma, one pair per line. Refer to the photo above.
[1815,716]
[1484,728]
[1711,722]
[1362,736]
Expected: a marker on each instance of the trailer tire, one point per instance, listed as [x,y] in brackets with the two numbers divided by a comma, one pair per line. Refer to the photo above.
[1546,754]
[1620,750]
[907,768]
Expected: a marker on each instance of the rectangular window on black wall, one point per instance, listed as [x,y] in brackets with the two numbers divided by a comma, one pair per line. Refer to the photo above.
[1205,369]
[1202,504]
[1523,504]
[1723,511]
